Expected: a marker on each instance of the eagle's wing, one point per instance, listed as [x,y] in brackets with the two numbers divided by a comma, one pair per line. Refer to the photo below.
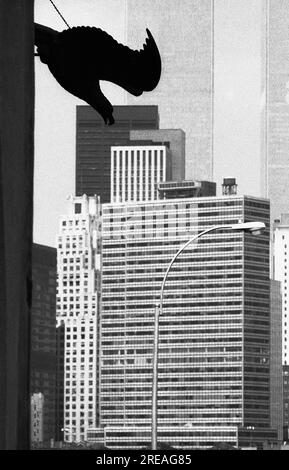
[80,57]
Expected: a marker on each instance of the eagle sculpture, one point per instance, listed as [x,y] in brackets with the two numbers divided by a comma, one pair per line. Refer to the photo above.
[79,57]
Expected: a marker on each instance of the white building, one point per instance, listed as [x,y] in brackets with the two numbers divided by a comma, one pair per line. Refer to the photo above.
[36,411]
[281,269]
[78,262]
[136,171]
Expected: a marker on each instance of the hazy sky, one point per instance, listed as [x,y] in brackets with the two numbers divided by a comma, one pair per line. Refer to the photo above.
[237,102]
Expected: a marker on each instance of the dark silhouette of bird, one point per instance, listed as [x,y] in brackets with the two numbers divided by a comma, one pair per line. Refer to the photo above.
[79,57]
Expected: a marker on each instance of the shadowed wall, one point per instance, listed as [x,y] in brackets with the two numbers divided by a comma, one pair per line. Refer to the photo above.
[16,197]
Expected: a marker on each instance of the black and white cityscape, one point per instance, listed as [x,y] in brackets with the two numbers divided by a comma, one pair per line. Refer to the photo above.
[159,314]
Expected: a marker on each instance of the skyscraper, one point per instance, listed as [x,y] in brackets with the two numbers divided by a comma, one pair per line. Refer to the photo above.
[94,141]
[78,266]
[183,30]
[214,372]
[277,109]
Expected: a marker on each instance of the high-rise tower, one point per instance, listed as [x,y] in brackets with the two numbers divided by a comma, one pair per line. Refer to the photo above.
[183,30]
[276,166]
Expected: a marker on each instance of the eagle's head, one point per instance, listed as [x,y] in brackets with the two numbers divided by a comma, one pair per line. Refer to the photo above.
[101,104]
[141,70]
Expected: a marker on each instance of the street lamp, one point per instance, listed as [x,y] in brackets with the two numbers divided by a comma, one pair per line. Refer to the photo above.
[252,227]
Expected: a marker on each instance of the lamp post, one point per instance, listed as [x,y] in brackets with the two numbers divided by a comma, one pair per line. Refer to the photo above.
[251,429]
[252,227]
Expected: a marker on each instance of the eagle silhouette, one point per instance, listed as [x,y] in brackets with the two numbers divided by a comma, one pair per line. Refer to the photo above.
[79,57]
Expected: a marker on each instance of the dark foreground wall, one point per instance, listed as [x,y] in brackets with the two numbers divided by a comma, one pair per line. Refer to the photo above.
[16,186]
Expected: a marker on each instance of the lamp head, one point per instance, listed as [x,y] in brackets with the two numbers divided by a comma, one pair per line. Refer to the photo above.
[256,228]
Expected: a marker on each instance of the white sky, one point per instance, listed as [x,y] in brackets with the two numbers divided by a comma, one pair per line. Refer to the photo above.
[237,102]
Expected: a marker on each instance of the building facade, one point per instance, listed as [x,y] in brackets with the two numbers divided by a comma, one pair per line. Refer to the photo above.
[43,336]
[280,273]
[78,275]
[276,375]
[136,171]
[94,140]
[214,372]
[184,33]
[286,404]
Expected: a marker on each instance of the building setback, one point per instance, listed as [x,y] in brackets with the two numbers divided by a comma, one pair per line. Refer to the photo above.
[43,338]
[94,141]
[77,311]
[214,372]
[184,33]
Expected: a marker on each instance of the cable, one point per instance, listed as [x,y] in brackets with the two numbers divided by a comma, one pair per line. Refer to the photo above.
[59,13]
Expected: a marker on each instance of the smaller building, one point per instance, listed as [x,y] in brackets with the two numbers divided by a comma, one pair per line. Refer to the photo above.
[136,170]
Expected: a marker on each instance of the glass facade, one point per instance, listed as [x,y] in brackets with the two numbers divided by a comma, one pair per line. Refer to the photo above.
[214,333]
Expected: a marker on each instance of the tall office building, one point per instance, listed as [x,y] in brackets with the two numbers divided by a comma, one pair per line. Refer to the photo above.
[184,33]
[277,109]
[137,169]
[43,338]
[78,269]
[281,273]
[276,376]
[94,141]
[214,339]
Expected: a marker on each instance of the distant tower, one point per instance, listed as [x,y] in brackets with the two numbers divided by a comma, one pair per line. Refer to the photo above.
[184,33]
[276,172]
[229,187]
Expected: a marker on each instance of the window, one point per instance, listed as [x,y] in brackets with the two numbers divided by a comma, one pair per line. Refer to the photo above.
[77,208]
